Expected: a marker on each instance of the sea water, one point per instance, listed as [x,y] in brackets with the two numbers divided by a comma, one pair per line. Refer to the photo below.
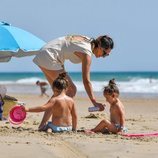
[129,83]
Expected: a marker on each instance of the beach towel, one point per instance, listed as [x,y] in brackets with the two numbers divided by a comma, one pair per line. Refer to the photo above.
[137,135]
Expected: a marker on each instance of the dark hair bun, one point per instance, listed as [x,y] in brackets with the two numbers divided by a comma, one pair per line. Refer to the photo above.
[112,82]
[60,82]
[111,88]
[62,75]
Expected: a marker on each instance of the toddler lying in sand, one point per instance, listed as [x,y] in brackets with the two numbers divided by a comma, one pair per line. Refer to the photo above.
[60,107]
[117,113]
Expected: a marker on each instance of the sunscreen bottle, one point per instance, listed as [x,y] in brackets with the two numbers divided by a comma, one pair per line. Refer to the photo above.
[93,109]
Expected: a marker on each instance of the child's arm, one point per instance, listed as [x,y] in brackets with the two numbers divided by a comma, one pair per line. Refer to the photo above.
[74,118]
[42,108]
[122,119]
[45,118]
[46,107]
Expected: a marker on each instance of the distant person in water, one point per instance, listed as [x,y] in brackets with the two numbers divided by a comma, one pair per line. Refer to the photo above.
[43,87]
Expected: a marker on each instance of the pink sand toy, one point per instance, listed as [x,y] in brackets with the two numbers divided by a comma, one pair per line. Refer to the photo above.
[137,135]
[17,115]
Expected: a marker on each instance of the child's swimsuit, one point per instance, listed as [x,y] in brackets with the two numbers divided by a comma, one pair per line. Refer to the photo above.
[58,128]
[118,126]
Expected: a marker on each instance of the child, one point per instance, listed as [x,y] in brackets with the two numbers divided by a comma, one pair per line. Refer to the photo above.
[117,113]
[60,108]
[1,107]
[43,87]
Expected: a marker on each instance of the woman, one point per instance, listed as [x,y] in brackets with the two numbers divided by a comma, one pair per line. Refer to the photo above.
[77,49]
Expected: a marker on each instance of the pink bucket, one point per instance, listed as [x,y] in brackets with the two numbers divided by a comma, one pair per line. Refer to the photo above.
[17,115]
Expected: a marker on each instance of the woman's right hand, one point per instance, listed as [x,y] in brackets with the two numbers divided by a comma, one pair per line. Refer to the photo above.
[100,105]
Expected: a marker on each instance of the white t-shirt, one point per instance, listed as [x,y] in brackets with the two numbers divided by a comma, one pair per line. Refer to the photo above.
[54,53]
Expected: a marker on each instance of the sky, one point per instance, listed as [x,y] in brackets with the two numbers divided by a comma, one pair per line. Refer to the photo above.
[132,24]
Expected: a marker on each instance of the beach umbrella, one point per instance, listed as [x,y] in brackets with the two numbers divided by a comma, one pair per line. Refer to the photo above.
[16,42]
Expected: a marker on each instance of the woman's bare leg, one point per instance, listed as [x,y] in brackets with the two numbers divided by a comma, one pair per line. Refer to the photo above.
[51,75]
[71,91]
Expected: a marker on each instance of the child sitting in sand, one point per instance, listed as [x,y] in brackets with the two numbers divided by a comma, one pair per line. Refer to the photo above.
[117,113]
[60,108]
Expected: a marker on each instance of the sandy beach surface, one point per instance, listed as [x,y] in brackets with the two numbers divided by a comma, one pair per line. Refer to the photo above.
[26,142]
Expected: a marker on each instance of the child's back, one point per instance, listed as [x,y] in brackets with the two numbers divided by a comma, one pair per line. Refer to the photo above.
[60,108]
[62,111]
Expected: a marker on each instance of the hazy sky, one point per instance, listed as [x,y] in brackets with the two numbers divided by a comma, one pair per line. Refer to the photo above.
[133,25]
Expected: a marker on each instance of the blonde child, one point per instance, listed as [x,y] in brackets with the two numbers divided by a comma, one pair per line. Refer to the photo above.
[60,108]
[116,123]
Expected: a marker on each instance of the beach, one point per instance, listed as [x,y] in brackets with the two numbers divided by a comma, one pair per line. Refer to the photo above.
[97,44]
[25,141]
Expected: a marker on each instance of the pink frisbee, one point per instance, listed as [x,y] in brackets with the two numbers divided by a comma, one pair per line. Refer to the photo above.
[17,115]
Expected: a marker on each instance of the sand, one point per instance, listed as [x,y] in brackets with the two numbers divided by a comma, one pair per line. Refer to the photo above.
[26,142]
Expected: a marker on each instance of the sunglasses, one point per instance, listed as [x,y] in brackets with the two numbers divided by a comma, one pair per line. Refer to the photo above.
[105,53]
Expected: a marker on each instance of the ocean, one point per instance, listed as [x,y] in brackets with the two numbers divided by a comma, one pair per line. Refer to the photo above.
[141,84]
